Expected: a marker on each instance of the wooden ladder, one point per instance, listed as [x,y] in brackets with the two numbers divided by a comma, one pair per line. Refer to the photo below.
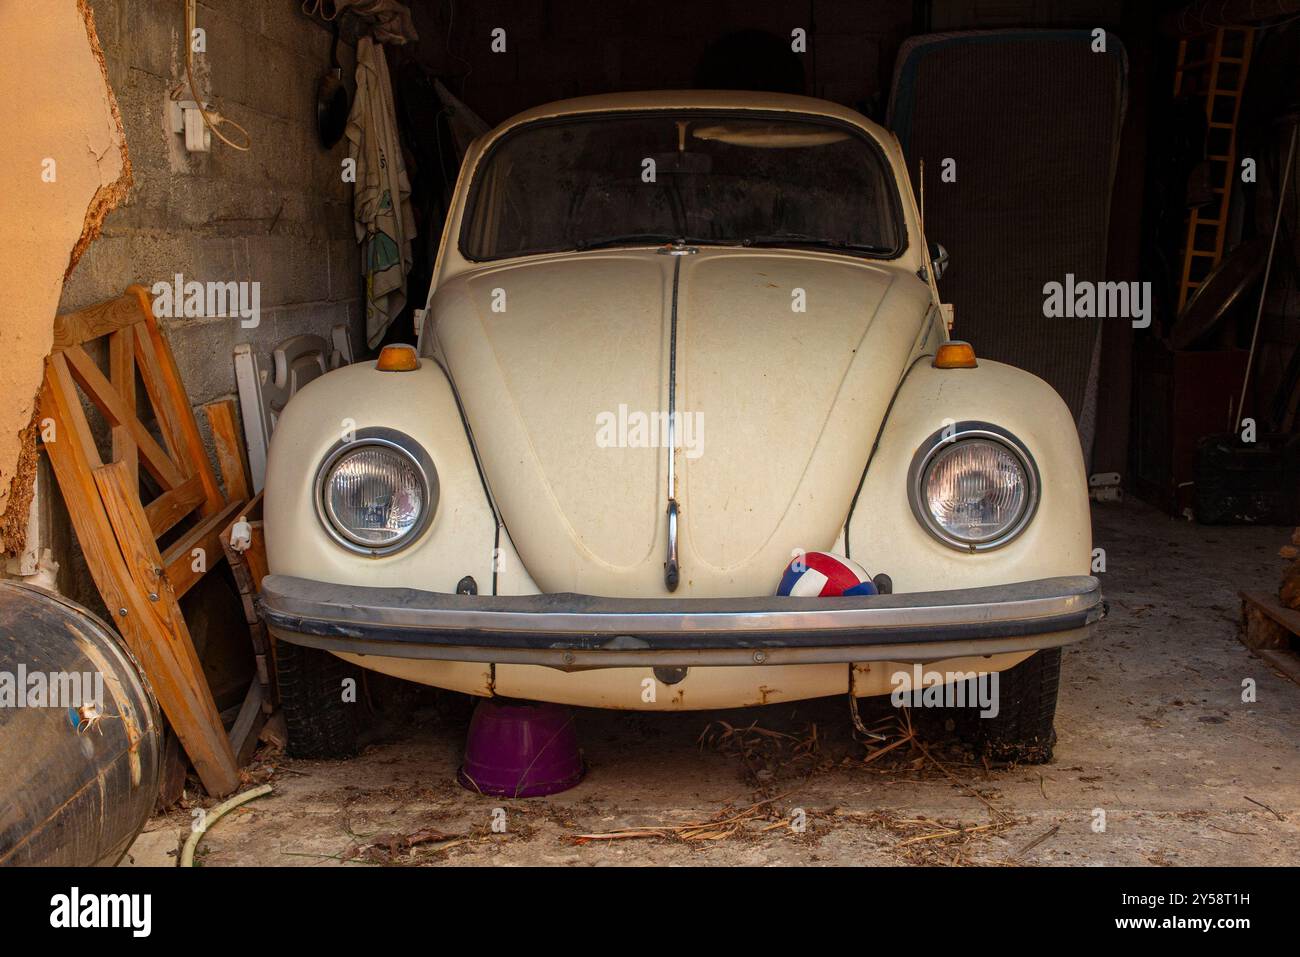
[140,580]
[1223,58]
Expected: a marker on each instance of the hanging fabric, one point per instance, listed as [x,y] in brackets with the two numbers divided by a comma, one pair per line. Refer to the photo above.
[381,199]
[386,20]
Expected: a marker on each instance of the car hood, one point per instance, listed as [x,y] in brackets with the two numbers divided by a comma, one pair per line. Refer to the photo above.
[785,365]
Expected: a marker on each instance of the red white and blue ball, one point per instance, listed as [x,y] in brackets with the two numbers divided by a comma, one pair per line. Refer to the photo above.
[824,575]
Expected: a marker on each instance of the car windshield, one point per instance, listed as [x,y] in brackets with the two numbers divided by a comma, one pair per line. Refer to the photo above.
[605,180]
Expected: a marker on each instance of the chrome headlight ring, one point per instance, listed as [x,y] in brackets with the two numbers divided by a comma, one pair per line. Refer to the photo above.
[948,437]
[416,457]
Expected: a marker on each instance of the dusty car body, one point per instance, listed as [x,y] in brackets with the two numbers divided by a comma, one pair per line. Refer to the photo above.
[637,571]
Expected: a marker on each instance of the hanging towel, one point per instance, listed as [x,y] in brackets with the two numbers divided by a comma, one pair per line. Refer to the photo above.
[381,198]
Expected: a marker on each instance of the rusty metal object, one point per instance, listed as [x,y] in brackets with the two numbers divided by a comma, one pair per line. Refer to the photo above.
[82,748]
[1222,289]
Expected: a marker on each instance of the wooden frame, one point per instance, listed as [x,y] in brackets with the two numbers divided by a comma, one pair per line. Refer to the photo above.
[140,582]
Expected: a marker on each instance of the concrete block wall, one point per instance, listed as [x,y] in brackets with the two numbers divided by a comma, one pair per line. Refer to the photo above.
[279,214]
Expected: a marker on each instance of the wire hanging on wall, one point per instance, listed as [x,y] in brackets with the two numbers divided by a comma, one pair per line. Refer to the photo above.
[188,40]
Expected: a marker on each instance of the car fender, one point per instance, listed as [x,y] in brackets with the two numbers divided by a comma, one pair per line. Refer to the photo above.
[461,538]
[884,535]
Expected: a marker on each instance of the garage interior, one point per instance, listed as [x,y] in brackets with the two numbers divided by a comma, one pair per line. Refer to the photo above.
[1151,144]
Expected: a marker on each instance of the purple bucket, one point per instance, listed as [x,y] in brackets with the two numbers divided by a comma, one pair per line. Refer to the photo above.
[521,749]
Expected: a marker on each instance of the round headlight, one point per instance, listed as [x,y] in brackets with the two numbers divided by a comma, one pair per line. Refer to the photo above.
[375,495]
[976,490]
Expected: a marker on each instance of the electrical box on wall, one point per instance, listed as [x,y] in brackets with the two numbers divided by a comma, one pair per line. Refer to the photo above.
[187,120]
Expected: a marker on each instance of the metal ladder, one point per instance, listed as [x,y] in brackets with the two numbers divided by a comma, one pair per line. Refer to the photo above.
[1226,56]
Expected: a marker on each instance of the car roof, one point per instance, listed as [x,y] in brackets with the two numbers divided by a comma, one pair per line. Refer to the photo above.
[694,100]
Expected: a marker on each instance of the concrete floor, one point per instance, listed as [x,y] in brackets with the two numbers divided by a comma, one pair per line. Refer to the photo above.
[1151,723]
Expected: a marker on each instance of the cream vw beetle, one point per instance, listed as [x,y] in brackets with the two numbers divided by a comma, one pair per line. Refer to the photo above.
[498,515]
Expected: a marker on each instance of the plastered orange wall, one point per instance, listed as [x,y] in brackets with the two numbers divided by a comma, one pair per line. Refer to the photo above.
[63,166]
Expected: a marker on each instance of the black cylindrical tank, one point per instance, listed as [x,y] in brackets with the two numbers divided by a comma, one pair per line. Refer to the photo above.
[80,749]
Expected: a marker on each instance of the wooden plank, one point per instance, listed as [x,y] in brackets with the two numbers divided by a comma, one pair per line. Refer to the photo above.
[73,463]
[1272,631]
[171,785]
[256,555]
[74,328]
[262,655]
[243,580]
[1258,630]
[166,649]
[170,507]
[229,446]
[276,732]
[71,424]
[249,721]
[178,561]
[108,401]
[187,428]
[253,513]
[151,376]
[1286,662]
[1268,603]
[121,369]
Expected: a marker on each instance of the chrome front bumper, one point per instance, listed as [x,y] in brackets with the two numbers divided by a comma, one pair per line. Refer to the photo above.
[571,631]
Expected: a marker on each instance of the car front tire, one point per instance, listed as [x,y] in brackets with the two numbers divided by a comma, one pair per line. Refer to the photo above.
[311,682]
[1024,730]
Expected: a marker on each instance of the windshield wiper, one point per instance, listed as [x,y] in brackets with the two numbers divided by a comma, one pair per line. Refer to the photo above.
[802,239]
[623,240]
[630,238]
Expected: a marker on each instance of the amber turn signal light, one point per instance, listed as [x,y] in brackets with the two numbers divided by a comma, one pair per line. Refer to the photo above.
[955,355]
[398,358]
